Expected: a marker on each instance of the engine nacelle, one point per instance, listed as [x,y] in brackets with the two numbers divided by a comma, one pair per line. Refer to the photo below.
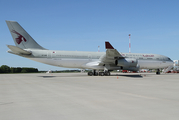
[127,62]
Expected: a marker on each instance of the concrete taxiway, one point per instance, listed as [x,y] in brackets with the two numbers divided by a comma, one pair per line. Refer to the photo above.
[76,96]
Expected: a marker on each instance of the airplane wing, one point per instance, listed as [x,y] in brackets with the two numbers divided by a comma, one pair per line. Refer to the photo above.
[17,50]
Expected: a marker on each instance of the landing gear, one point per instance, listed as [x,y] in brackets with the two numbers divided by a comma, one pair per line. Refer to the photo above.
[90,73]
[94,73]
[107,73]
[158,72]
[101,73]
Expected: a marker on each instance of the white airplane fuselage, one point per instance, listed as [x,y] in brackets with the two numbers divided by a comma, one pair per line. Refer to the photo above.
[79,59]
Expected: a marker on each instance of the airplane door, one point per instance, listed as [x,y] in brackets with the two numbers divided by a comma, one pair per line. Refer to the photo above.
[49,55]
[53,54]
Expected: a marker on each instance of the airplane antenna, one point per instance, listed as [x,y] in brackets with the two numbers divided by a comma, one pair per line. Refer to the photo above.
[129,43]
[98,48]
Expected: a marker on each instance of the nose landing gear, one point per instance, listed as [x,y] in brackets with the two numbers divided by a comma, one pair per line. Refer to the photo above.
[158,72]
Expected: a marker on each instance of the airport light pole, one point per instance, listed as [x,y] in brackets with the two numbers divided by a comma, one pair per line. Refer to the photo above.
[129,43]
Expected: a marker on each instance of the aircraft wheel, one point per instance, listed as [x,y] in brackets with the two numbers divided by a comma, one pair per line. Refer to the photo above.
[96,74]
[158,72]
[107,73]
[101,73]
[90,73]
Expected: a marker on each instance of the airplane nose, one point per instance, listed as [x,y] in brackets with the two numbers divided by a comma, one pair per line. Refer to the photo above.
[171,62]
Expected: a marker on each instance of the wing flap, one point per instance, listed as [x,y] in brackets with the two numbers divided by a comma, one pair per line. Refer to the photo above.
[17,50]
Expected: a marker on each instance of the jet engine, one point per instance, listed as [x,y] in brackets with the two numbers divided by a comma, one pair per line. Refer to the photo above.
[128,64]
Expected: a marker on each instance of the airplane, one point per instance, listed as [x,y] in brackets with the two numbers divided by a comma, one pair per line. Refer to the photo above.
[101,63]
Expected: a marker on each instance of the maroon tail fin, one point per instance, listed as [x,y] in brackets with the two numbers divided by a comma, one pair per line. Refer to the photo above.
[108,45]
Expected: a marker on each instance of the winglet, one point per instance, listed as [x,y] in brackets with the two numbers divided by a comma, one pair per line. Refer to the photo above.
[108,45]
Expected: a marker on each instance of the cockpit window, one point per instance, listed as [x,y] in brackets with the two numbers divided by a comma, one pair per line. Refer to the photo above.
[169,59]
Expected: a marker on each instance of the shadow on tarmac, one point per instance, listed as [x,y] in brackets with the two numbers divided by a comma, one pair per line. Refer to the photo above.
[133,76]
[47,76]
[120,75]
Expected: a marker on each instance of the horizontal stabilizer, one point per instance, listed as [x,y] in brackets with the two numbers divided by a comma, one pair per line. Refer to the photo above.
[17,50]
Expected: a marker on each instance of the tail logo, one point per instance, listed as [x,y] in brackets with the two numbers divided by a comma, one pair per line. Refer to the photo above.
[20,38]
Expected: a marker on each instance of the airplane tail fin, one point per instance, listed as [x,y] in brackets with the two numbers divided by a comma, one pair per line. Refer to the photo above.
[21,38]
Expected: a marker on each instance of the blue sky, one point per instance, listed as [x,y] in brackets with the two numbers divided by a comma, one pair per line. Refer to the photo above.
[83,25]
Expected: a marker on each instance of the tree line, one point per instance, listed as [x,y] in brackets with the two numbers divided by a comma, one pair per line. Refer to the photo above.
[7,69]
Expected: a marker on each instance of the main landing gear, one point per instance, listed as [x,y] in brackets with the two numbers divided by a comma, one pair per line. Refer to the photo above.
[158,72]
[94,73]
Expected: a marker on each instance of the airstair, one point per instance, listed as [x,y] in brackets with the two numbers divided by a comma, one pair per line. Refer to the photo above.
[167,69]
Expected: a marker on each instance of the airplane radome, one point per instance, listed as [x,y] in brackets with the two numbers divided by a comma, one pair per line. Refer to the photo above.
[101,63]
